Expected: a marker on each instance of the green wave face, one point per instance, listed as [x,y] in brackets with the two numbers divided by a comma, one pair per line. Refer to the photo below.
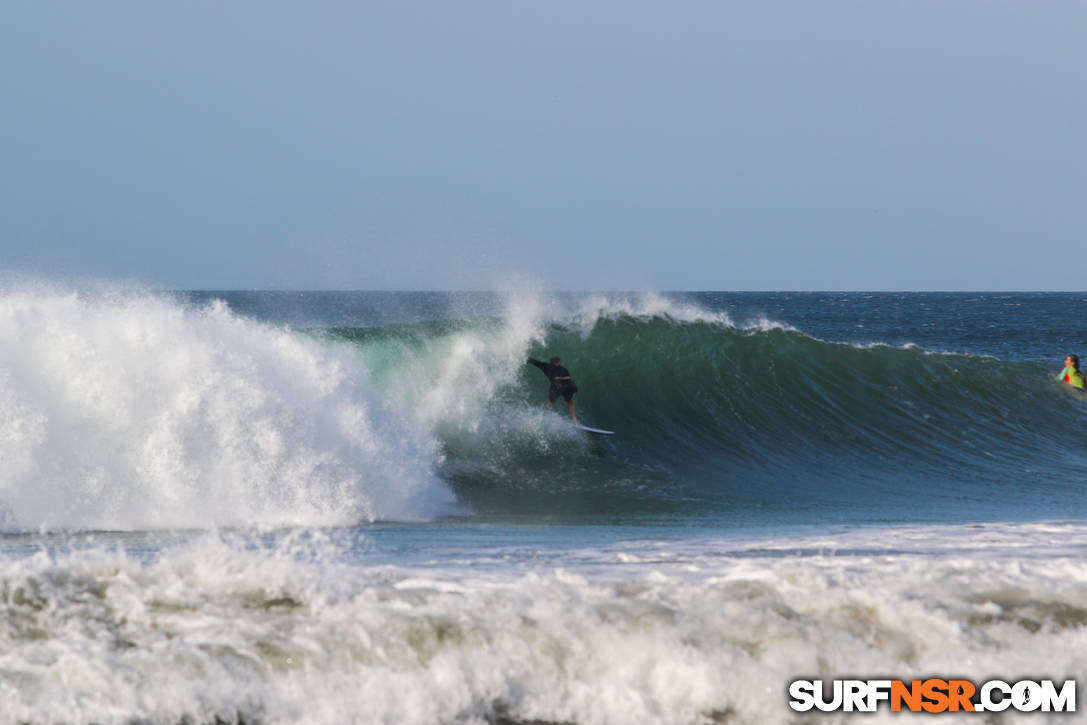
[713,417]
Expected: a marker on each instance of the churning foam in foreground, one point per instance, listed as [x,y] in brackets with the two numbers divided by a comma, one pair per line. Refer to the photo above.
[645,632]
[126,411]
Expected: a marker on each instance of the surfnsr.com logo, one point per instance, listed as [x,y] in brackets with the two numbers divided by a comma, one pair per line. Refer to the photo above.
[932,695]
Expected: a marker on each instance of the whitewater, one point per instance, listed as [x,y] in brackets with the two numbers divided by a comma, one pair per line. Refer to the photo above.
[279,507]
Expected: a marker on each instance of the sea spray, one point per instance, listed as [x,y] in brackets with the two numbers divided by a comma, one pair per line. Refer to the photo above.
[453,378]
[128,410]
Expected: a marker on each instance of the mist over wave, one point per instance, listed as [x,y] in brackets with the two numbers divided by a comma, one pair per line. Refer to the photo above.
[125,410]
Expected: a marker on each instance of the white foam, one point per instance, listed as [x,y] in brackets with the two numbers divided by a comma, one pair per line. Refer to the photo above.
[125,410]
[649,305]
[647,632]
[451,380]
[644,305]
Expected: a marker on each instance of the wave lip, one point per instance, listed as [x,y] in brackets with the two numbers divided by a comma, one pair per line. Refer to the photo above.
[129,411]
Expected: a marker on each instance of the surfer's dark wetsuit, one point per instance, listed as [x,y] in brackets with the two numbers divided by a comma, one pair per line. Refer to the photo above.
[561,382]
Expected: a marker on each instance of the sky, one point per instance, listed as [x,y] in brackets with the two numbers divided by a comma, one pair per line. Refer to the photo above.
[725,145]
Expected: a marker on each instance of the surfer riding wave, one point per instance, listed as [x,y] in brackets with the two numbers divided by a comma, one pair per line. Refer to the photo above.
[562,384]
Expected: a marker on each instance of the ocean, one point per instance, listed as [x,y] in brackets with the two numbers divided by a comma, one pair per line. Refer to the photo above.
[353,507]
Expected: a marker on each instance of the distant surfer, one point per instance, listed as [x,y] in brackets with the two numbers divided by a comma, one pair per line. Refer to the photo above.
[1071,373]
[561,383]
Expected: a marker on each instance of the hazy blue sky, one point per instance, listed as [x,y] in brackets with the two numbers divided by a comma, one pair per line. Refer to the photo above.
[760,145]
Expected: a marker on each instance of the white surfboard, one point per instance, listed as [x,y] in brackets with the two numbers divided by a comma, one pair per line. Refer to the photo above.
[596,431]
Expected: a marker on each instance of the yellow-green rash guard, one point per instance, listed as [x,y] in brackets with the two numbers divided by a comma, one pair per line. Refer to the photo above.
[1073,377]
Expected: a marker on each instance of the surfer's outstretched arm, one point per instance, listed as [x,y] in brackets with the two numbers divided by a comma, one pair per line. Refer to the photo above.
[541,365]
